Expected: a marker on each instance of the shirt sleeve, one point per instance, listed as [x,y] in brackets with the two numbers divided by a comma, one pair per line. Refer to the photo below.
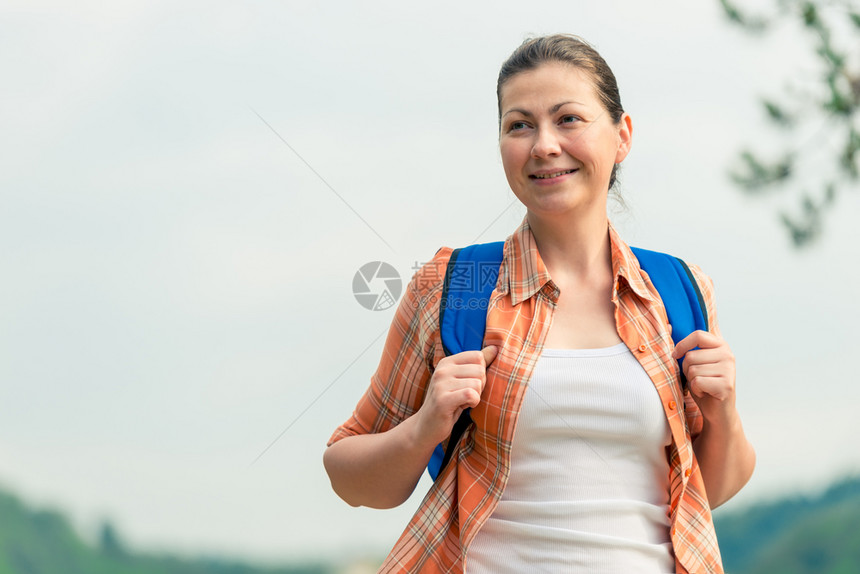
[706,286]
[398,386]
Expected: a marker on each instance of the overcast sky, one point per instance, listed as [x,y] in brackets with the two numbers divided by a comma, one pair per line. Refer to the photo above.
[177,277]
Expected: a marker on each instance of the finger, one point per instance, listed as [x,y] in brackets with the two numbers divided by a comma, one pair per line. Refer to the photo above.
[490,352]
[455,385]
[469,371]
[457,400]
[693,370]
[701,339]
[713,387]
[476,383]
[471,399]
[467,358]
[706,356]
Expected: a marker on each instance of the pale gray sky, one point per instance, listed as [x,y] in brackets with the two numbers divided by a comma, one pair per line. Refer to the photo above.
[176,283]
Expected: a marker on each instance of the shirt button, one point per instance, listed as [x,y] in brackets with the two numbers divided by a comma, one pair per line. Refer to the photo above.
[642,348]
[672,405]
[673,531]
[688,472]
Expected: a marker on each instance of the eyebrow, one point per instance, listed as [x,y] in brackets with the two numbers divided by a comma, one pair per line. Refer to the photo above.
[552,110]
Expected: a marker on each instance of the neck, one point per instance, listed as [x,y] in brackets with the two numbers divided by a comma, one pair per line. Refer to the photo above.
[573,249]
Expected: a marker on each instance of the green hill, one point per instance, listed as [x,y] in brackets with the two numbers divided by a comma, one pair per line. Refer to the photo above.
[43,542]
[798,535]
[795,535]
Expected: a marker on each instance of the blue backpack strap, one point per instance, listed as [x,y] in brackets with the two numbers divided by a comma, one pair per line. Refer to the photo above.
[469,281]
[685,305]
[463,309]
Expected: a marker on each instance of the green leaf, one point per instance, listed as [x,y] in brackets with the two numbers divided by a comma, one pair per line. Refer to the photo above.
[810,15]
[777,114]
[833,60]
[829,194]
[801,232]
[755,175]
[855,17]
[848,159]
[839,103]
[733,13]
[809,207]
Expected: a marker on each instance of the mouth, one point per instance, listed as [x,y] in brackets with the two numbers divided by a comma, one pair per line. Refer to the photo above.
[551,174]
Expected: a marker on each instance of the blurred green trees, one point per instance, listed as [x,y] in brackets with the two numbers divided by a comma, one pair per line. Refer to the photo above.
[797,535]
[815,116]
[43,542]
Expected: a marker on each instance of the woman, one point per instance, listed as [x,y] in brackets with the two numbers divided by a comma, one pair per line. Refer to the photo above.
[612,468]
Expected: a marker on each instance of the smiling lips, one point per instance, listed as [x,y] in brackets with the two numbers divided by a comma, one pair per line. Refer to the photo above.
[551,174]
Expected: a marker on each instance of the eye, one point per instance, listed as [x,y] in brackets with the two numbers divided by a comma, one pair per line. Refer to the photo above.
[516,126]
[568,119]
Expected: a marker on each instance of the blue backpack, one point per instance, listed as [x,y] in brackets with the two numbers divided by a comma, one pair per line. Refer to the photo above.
[471,277]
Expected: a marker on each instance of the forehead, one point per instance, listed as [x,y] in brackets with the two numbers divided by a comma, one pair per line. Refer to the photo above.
[549,83]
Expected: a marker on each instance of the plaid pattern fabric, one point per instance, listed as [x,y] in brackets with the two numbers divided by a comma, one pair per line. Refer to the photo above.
[470,486]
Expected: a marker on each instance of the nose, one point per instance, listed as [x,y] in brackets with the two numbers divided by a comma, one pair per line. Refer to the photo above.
[546,144]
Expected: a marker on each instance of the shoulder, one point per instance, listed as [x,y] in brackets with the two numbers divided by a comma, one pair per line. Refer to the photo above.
[416,321]
[702,279]
[425,288]
[706,287]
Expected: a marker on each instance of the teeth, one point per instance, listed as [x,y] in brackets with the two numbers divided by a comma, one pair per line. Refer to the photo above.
[551,175]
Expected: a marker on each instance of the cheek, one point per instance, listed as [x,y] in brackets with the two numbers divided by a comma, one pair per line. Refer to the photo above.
[512,158]
[599,149]
[512,167]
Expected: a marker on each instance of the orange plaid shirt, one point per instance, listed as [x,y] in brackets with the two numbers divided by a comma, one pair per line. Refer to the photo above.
[518,320]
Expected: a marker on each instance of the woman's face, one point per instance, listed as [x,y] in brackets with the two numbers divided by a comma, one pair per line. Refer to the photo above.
[558,142]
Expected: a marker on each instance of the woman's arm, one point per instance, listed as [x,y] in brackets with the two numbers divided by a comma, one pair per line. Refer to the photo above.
[382,454]
[726,458]
[378,470]
[381,470]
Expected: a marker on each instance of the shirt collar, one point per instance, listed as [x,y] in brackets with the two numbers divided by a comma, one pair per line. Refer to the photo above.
[625,268]
[526,274]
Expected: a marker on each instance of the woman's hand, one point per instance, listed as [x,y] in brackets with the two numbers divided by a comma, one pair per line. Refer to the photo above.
[710,372]
[381,470]
[456,384]
[725,456]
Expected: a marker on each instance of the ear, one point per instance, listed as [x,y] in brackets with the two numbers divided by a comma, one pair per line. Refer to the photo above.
[625,137]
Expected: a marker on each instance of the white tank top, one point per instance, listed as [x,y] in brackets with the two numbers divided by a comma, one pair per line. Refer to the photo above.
[589,484]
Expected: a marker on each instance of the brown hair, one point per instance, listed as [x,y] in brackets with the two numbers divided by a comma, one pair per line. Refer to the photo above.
[566,49]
